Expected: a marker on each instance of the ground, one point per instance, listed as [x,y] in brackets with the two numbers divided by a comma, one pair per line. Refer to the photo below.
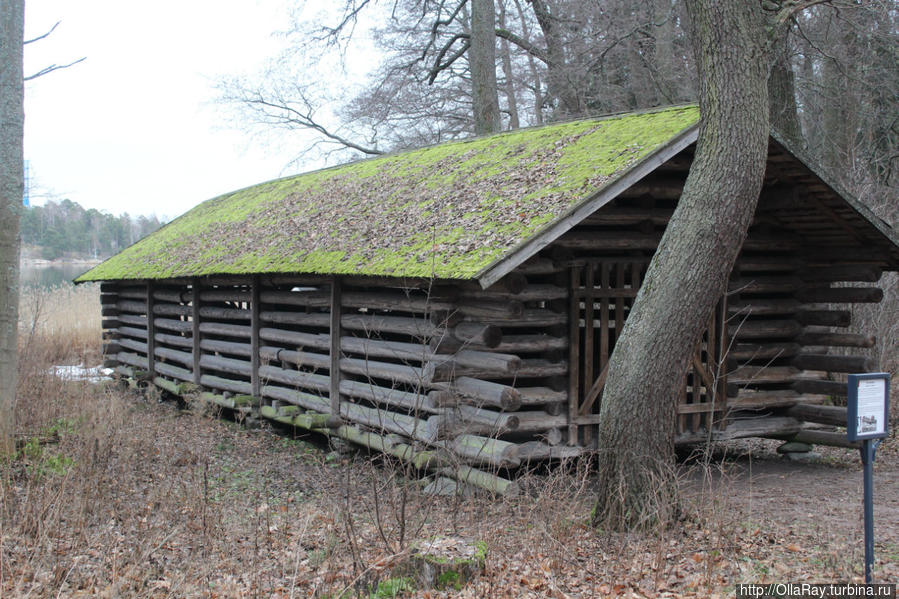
[155,500]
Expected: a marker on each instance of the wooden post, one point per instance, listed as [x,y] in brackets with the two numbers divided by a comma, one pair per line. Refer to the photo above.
[574,316]
[195,327]
[255,382]
[151,333]
[334,375]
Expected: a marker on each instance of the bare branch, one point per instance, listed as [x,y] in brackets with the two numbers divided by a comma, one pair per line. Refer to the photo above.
[525,45]
[54,67]
[45,35]
[441,66]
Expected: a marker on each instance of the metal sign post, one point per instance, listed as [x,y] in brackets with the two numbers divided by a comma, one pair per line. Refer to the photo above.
[867,420]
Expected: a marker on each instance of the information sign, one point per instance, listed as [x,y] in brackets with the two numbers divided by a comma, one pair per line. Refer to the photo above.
[869,406]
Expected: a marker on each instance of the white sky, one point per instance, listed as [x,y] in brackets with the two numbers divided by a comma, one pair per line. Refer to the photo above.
[134,127]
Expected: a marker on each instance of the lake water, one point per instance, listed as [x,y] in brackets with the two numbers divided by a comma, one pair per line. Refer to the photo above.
[50,276]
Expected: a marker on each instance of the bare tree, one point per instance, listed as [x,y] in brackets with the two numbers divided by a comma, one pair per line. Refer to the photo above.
[693,261]
[12,186]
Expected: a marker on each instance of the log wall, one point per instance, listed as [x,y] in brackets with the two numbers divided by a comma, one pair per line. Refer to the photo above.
[470,382]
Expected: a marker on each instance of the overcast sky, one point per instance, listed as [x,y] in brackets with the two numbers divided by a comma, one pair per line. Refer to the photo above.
[133,128]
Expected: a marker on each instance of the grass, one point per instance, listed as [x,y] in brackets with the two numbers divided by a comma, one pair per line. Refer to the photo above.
[114,493]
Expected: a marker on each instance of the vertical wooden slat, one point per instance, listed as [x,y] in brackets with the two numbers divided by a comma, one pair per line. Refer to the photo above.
[334,375]
[723,341]
[574,340]
[604,316]
[195,327]
[255,383]
[151,332]
[619,302]
[588,339]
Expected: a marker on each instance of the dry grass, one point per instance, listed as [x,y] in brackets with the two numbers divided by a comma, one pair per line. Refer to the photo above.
[115,494]
[64,321]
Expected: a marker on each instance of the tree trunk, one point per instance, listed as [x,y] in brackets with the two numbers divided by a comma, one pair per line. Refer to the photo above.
[508,74]
[689,271]
[482,62]
[12,116]
[782,90]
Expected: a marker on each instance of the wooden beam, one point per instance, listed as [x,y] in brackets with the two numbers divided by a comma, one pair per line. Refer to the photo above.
[255,323]
[334,351]
[151,331]
[195,328]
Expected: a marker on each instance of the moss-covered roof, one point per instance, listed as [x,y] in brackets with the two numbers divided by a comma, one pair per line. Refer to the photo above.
[446,211]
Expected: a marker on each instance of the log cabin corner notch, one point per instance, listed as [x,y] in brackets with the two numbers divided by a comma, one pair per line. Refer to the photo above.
[456,306]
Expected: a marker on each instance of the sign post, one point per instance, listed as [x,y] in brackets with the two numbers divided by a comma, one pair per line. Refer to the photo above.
[867,417]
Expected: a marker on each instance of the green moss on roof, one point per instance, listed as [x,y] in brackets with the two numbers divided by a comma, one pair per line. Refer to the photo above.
[446,211]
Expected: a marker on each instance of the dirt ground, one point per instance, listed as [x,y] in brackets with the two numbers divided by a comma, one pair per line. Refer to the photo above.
[165,502]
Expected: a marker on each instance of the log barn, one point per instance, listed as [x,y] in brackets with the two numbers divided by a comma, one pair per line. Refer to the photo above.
[456,306]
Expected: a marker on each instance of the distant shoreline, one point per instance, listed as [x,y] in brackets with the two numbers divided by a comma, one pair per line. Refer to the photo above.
[40,263]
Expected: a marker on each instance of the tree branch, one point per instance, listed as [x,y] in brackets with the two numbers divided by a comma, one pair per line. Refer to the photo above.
[525,45]
[53,67]
[40,37]
[438,66]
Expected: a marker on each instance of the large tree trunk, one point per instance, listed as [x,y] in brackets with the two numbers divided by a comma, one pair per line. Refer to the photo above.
[12,116]
[482,60]
[689,271]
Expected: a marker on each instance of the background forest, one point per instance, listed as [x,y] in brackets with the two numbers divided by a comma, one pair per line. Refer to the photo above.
[67,230]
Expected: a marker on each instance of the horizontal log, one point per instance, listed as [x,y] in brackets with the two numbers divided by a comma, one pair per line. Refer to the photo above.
[763,399]
[753,375]
[131,307]
[743,352]
[825,318]
[140,321]
[215,312]
[486,451]
[741,426]
[489,309]
[173,340]
[531,293]
[172,310]
[765,329]
[515,344]
[395,373]
[226,295]
[377,348]
[184,358]
[420,328]
[533,317]
[306,359]
[764,284]
[227,330]
[530,451]
[539,421]
[132,332]
[133,291]
[311,340]
[132,359]
[841,295]
[539,266]
[114,347]
[174,372]
[307,319]
[528,369]
[832,415]
[107,310]
[482,480]
[299,398]
[836,339]
[132,344]
[228,365]
[174,296]
[234,348]
[167,385]
[815,387]
[487,393]
[109,323]
[418,303]
[169,324]
[306,380]
[309,422]
[541,395]
[455,422]
[842,272]
[833,363]
[223,384]
[761,242]
[413,402]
